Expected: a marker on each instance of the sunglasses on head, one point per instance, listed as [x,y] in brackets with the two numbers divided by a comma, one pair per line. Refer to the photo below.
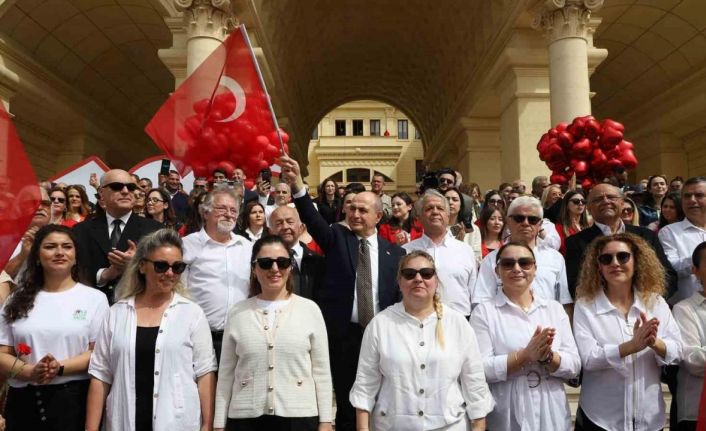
[507,263]
[267,262]
[57,199]
[521,219]
[118,187]
[607,258]
[411,273]
[161,266]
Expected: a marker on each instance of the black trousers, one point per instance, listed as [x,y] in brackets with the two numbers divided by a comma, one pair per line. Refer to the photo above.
[686,426]
[273,423]
[217,337]
[47,407]
[345,349]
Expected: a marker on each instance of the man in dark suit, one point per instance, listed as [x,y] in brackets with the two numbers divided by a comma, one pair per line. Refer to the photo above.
[605,202]
[179,199]
[349,296]
[107,242]
[309,268]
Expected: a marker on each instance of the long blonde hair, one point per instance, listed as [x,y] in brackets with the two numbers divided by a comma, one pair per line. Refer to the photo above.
[438,306]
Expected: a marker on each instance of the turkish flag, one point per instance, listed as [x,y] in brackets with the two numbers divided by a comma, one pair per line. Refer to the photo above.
[220,116]
[19,189]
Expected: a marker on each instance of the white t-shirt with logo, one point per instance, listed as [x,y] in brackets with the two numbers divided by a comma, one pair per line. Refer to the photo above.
[60,323]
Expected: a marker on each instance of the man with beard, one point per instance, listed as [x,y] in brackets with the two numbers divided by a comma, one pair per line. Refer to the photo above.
[218,260]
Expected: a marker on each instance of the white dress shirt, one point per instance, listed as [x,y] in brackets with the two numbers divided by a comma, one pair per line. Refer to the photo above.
[298,253]
[456,267]
[374,270]
[407,381]
[549,280]
[183,353]
[615,391]
[552,238]
[690,314]
[503,327]
[218,275]
[605,229]
[679,241]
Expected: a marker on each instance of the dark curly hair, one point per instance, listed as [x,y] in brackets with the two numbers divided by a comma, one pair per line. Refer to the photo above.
[21,302]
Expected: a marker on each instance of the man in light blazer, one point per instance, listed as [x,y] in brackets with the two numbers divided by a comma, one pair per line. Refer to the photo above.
[344,310]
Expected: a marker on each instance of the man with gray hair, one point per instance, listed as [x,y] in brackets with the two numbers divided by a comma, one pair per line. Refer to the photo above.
[524,221]
[455,261]
[218,271]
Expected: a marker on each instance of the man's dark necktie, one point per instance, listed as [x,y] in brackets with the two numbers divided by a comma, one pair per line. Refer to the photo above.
[115,235]
[364,285]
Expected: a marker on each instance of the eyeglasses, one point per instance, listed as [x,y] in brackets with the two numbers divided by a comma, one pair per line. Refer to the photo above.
[698,196]
[267,262]
[226,211]
[578,201]
[611,198]
[507,263]
[495,201]
[118,187]
[517,218]
[411,273]
[607,258]
[161,266]
[627,210]
[57,199]
[154,200]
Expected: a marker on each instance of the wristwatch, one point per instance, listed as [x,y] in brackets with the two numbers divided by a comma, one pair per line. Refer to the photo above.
[61,371]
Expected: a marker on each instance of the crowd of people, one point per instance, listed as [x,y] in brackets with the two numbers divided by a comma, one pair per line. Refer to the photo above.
[276,308]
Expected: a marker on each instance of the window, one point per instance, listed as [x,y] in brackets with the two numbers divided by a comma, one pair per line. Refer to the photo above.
[337,177]
[357,127]
[358,175]
[402,129]
[374,127]
[315,133]
[340,127]
[417,133]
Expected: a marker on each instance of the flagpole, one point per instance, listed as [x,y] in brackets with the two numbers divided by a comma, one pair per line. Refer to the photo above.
[244,32]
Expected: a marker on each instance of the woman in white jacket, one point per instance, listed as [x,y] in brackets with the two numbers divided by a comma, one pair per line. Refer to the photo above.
[153,364]
[419,366]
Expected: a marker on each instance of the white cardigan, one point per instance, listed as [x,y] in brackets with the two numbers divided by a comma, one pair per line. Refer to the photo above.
[282,370]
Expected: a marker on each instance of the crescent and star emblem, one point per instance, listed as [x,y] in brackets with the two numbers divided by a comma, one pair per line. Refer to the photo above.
[235,88]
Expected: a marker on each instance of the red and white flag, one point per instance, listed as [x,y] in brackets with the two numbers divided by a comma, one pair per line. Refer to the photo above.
[221,116]
[19,190]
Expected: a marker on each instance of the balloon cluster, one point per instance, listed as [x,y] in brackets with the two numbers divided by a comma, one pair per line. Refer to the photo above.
[587,148]
[244,142]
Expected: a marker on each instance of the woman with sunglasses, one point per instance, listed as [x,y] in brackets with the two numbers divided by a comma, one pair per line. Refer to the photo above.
[527,347]
[153,365]
[495,199]
[419,366]
[139,207]
[59,318]
[403,226]
[251,224]
[57,214]
[625,334]
[274,372]
[690,315]
[78,206]
[573,217]
[671,211]
[629,213]
[158,207]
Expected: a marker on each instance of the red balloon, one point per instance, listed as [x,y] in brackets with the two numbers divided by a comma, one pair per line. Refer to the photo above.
[201,106]
[587,183]
[261,142]
[628,160]
[227,166]
[613,125]
[625,146]
[271,152]
[249,183]
[558,178]
[580,167]
[211,166]
[193,125]
[592,129]
[582,149]
[611,137]
[576,127]
[561,127]
[565,139]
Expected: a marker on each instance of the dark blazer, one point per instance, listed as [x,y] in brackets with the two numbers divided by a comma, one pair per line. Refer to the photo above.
[94,244]
[311,273]
[249,195]
[180,205]
[335,297]
[577,244]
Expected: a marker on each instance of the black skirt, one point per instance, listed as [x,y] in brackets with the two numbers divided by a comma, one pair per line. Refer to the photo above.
[47,407]
[273,423]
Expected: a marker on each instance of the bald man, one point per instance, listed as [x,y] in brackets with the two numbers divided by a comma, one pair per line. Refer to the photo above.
[309,267]
[360,280]
[605,202]
[107,242]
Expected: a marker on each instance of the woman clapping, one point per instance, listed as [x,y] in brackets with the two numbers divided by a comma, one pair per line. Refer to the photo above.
[527,347]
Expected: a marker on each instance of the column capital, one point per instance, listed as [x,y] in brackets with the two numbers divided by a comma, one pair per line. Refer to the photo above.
[206,18]
[562,19]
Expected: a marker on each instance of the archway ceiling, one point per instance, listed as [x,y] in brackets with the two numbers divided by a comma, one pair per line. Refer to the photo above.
[418,55]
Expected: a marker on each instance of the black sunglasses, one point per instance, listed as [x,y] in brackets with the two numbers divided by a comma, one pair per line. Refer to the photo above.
[267,262]
[446,181]
[161,266]
[521,219]
[607,258]
[118,187]
[411,273]
[578,201]
[57,199]
[507,263]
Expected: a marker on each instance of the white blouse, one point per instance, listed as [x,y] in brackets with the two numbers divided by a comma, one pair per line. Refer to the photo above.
[690,314]
[183,353]
[531,398]
[409,382]
[616,391]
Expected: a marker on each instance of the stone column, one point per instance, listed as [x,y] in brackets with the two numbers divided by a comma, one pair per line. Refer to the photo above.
[479,155]
[569,28]
[207,23]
